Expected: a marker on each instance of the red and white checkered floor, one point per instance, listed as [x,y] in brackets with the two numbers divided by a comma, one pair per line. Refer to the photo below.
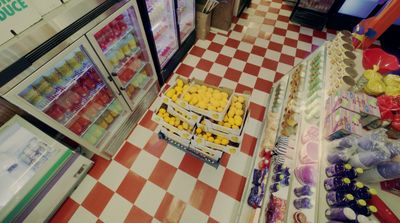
[150,181]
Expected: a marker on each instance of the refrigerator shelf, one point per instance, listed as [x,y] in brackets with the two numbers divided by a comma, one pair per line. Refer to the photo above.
[116,41]
[98,116]
[118,69]
[63,87]
[133,77]
[85,101]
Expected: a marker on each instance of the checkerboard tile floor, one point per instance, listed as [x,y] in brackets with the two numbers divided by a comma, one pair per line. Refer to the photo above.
[151,181]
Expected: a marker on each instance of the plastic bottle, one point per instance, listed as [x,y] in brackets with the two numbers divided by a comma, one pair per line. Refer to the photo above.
[368,159]
[353,173]
[339,199]
[337,183]
[303,191]
[383,171]
[365,193]
[358,205]
[337,169]
[302,203]
[368,210]
[340,214]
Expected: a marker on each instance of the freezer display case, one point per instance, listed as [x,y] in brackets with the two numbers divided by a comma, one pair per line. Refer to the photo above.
[164,28]
[186,18]
[121,45]
[72,94]
[30,162]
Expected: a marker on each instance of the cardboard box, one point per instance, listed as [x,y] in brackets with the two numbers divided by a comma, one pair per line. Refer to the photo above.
[181,133]
[46,6]
[204,150]
[171,135]
[341,123]
[342,99]
[231,148]
[217,116]
[231,134]
[183,114]
[24,16]
[163,92]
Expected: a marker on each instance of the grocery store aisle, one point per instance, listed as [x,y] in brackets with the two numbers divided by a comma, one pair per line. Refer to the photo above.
[150,181]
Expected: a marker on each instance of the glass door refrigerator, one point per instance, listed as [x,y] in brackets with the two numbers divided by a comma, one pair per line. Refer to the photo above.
[186,18]
[37,173]
[73,94]
[312,13]
[121,44]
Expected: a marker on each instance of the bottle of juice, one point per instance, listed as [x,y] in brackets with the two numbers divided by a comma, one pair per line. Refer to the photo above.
[337,169]
[340,214]
[368,210]
[358,205]
[337,183]
[303,191]
[339,198]
[365,193]
[354,173]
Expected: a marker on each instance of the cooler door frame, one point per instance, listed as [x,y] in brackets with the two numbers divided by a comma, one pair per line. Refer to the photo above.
[193,26]
[108,66]
[12,95]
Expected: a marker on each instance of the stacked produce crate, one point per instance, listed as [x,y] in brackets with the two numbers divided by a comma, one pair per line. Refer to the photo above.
[202,119]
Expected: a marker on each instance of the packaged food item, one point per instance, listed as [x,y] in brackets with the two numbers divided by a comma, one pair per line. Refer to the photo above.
[309,153]
[343,170]
[337,184]
[305,190]
[276,210]
[368,159]
[340,214]
[299,217]
[306,174]
[342,123]
[339,198]
[368,210]
[383,171]
[357,205]
[303,203]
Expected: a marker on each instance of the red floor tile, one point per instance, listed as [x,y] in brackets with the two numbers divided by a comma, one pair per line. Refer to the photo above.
[314,47]
[197,51]
[279,31]
[260,13]
[223,60]
[305,38]
[213,79]
[260,51]
[155,145]
[232,43]
[184,70]
[97,199]
[191,165]
[319,34]
[283,18]
[266,3]
[294,28]
[211,36]
[65,212]
[212,220]
[287,7]
[99,221]
[237,28]
[204,65]
[131,186]
[163,174]
[290,42]
[100,165]
[244,15]
[275,46]
[224,159]
[232,74]
[270,64]
[147,122]
[127,155]
[263,85]
[249,39]
[240,88]
[248,144]
[137,215]
[273,10]
[269,22]
[278,76]
[216,47]
[252,69]
[302,53]
[203,197]
[232,184]
[257,111]
[241,55]
[171,209]
[286,59]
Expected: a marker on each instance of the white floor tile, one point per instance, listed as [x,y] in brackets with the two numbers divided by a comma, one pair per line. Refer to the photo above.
[255,59]
[198,74]
[228,51]
[218,69]
[191,59]
[267,28]
[253,127]
[247,79]
[261,43]
[240,163]
[317,41]
[140,136]
[288,50]
[116,210]
[237,64]
[292,35]
[228,83]
[172,156]
[113,175]
[220,39]
[150,198]
[277,39]
[144,164]
[284,68]
[203,43]
[193,215]
[246,47]
[210,55]
[82,215]
[259,97]
[83,189]
[304,46]
[267,74]
[212,176]
[273,55]
[223,208]
[285,12]
[182,185]
[282,25]
[236,35]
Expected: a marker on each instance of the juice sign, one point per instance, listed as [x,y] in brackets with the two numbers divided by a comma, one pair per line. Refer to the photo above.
[10,8]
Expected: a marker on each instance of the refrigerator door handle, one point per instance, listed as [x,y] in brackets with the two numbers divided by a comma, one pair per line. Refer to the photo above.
[114,74]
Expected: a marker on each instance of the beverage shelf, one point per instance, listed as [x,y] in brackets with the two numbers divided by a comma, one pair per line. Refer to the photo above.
[98,116]
[122,65]
[71,116]
[116,41]
[134,76]
[63,87]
